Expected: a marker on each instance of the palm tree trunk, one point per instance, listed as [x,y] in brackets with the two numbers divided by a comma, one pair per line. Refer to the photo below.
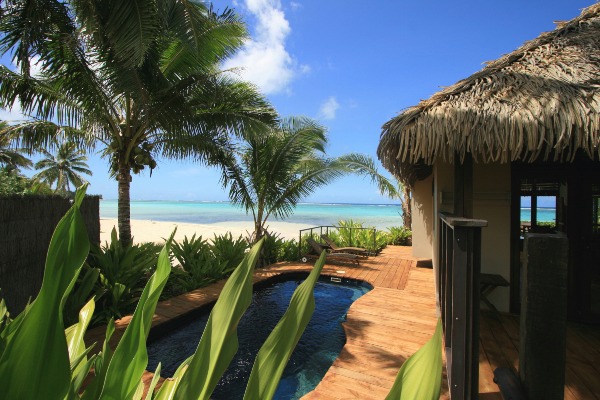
[124,205]
[406,207]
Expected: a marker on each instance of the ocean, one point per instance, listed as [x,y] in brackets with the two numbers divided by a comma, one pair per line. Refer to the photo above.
[380,216]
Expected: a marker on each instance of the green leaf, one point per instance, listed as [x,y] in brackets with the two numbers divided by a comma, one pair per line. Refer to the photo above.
[35,362]
[277,349]
[421,375]
[76,332]
[219,342]
[76,345]
[153,383]
[169,386]
[101,363]
[130,358]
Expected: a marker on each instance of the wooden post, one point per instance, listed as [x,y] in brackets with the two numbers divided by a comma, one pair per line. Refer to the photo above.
[544,316]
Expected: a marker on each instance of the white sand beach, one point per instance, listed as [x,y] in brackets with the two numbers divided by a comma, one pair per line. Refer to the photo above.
[157,231]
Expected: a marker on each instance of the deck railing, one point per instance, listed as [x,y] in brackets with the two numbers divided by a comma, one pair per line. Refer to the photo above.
[458,291]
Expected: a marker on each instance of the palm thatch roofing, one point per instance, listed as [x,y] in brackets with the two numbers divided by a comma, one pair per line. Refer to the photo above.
[540,102]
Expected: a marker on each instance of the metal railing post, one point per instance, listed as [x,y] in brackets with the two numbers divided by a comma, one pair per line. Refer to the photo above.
[459,270]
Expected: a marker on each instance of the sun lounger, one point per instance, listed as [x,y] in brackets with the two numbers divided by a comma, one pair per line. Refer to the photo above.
[337,249]
[346,257]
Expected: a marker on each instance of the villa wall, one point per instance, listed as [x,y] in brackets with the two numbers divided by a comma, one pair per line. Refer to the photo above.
[422,219]
[26,227]
[491,201]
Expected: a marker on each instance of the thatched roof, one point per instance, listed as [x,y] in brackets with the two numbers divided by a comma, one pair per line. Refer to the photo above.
[541,101]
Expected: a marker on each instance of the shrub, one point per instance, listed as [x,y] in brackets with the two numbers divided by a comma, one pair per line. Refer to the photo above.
[399,236]
[201,262]
[122,274]
[229,250]
[288,251]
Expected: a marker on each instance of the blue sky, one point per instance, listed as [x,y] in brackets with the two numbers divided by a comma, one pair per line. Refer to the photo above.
[352,65]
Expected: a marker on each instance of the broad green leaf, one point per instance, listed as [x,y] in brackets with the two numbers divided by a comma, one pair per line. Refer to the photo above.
[78,379]
[76,346]
[420,377]
[35,362]
[153,383]
[130,358]
[76,332]
[101,363]
[277,349]
[169,386]
[219,342]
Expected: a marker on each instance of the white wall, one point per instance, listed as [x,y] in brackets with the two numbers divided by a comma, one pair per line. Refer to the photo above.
[491,201]
[422,219]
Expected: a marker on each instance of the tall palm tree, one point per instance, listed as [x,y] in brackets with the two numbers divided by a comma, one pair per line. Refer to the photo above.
[64,168]
[11,157]
[141,78]
[278,168]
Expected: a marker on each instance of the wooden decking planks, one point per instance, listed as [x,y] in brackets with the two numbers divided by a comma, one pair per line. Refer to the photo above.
[499,337]
[383,328]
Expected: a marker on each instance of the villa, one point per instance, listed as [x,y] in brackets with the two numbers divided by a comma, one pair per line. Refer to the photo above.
[521,133]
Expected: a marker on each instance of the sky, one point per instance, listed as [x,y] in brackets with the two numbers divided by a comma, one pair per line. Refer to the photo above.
[351,65]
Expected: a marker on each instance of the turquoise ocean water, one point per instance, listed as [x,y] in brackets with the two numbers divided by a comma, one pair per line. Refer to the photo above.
[380,216]
[313,214]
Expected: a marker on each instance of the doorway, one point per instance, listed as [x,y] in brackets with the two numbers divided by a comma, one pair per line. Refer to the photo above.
[560,197]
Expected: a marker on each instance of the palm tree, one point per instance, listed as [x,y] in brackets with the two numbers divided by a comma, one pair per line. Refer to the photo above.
[63,168]
[140,78]
[278,168]
[11,158]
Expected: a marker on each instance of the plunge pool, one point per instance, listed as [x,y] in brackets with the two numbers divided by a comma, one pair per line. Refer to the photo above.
[318,347]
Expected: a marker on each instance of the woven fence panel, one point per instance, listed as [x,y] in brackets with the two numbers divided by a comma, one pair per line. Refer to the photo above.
[26,227]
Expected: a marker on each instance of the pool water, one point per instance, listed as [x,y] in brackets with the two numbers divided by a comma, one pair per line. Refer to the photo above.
[318,347]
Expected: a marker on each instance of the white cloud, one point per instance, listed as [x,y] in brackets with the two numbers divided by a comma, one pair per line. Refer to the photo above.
[264,60]
[328,108]
[295,5]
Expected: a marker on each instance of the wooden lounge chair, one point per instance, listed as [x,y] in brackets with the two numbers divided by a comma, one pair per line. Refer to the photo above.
[337,249]
[346,257]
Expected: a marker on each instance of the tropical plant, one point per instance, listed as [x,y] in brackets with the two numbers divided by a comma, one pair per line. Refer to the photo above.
[288,251]
[227,249]
[202,262]
[141,78]
[123,271]
[11,183]
[279,167]
[37,336]
[11,158]
[63,168]
[399,236]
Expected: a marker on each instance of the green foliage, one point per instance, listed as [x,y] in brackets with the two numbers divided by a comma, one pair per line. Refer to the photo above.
[288,251]
[420,377]
[353,233]
[11,183]
[399,236]
[202,262]
[123,272]
[230,251]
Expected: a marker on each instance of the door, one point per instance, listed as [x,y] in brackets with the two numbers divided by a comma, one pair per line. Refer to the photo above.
[584,244]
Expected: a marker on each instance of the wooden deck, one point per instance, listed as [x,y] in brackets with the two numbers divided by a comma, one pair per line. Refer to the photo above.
[394,320]
[500,346]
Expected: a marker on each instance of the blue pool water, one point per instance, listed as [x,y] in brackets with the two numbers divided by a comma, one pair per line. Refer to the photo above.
[317,349]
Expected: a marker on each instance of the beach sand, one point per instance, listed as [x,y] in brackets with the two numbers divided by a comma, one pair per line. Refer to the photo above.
[157,231]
